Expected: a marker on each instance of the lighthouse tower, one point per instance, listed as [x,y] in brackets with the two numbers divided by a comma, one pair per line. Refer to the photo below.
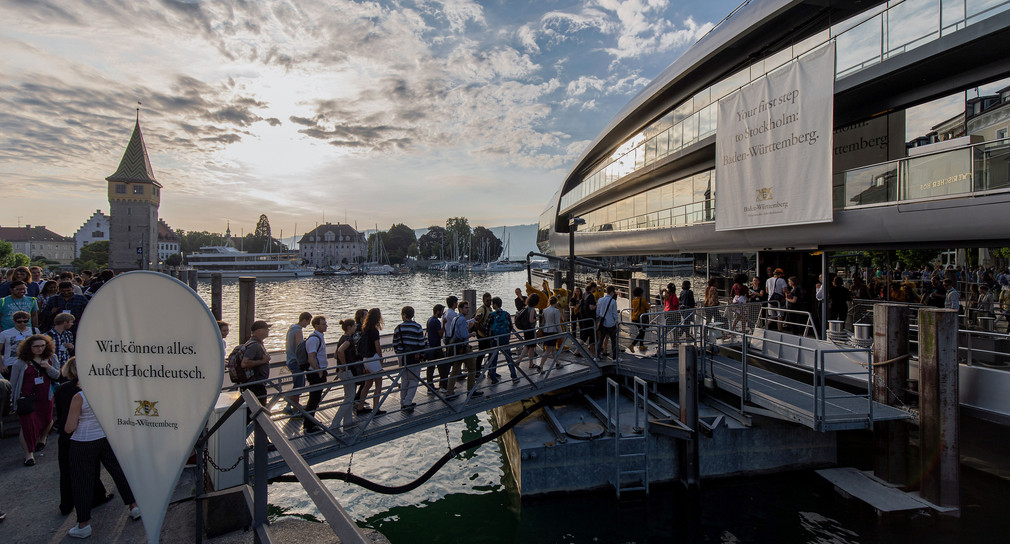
[134,197]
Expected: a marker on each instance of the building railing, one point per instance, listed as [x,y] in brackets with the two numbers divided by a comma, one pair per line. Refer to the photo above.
[964,171]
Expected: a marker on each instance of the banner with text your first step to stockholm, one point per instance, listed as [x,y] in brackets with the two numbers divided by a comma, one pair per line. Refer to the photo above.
[151,364]
[773,147]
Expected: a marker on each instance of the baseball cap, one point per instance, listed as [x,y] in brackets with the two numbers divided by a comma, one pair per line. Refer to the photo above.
[257,325]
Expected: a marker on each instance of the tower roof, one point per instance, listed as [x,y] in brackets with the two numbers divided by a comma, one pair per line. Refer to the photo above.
[135,166]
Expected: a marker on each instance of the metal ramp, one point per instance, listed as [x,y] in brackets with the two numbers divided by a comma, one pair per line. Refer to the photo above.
[822,408]
[432,407]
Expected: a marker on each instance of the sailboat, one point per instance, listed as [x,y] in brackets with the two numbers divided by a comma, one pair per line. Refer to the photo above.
[378,259]
[505,265]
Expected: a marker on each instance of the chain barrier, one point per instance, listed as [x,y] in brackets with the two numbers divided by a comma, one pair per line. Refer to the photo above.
[210,461]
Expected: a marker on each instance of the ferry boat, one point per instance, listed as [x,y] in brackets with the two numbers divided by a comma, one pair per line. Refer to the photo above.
[232,263]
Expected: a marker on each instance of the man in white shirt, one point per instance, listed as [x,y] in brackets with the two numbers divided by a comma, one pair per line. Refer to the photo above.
[953,298]
[315,347]
[776,289]
[294,337]
[607,316]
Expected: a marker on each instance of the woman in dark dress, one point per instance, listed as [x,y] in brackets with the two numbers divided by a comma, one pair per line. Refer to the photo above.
[61,402]
[32,377]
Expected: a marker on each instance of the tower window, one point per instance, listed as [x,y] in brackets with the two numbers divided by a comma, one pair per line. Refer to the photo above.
[121,188]
[138,189]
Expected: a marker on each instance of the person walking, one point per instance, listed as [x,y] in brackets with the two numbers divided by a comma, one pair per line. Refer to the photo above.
[434,330]
[526,321]
[838,300]
[639,306]
[370,351]
[552,325]
[500,326]
[257,358]
[32,378]
[18,301]
[88,448]
[295,336]
[607,315]
[457,343]
[62,399]
[408,343]
[315,349]
[346,357]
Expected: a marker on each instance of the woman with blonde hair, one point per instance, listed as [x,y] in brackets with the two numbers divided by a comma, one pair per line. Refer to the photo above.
[32,378]
[61,402]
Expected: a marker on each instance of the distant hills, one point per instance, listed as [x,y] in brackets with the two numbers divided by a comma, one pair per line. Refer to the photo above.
[522,238]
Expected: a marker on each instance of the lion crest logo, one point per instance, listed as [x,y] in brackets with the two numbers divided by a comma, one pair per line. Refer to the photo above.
[146,408]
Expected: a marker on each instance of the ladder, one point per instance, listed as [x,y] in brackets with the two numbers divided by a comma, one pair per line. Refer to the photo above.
[631,451]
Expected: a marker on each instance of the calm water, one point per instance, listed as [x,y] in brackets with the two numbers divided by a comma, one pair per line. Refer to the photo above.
[473,498]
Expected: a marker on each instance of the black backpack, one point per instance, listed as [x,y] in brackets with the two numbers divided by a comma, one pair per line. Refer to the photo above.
[302,354]
[233,364]
[523,320]
[362,345]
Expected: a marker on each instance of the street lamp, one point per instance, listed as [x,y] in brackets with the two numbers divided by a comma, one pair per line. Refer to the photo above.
[573,224]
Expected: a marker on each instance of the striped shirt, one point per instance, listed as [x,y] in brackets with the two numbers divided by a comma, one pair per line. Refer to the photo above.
[407,337]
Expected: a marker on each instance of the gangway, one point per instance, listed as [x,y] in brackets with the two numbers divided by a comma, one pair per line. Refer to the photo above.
[433,407]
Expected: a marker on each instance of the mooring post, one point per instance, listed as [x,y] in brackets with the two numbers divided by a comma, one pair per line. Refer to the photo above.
[470,295]
[246,306]
[939,451]
[557,279]
[690,474]
[216,293]
[193,283]
[890,345]
[260,505]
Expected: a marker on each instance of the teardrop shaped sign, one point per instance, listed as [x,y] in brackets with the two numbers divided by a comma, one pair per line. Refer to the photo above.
[150,361]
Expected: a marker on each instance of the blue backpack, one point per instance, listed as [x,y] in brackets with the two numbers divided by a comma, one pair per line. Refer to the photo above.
[499,323]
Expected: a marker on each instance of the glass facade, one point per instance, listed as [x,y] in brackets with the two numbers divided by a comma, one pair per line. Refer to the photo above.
[686,201]
[963,171]
[862,41]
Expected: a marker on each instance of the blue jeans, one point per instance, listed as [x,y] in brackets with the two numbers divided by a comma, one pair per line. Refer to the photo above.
[492,365]
[297,381]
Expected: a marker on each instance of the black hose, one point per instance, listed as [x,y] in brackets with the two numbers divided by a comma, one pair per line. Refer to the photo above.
[397,489]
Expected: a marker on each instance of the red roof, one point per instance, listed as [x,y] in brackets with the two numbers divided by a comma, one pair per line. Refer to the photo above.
[29,233]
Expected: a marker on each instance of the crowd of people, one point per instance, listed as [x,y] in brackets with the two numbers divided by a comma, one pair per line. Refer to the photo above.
[449,334]
[38,382]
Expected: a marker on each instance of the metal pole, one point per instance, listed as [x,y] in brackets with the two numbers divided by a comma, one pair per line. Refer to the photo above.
[571,258]
[216,294]
[201,478]
[260,485]
[246,306]
[824,293]
[938,407]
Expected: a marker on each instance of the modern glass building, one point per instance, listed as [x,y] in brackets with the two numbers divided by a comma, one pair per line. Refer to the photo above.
[646,184]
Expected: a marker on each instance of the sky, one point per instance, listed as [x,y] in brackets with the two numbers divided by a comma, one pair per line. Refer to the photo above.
[309,111]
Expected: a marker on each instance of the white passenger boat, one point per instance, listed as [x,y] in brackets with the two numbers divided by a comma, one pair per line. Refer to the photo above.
[504,266]
[232,263]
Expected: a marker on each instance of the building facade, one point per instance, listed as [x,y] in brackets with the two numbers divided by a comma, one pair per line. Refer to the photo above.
[134,198]
[332,245]
[648,184]
[39,242]
[168,241]
[95,229]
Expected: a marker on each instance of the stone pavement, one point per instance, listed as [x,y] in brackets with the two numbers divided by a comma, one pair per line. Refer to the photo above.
[31,496]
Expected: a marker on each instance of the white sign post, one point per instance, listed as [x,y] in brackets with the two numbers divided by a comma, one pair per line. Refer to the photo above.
[773,147]
[150,361]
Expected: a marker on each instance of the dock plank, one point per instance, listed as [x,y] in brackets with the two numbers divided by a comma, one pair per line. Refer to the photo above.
[885,499]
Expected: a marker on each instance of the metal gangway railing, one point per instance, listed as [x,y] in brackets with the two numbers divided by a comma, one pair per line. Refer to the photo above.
[729,362]
[342,429]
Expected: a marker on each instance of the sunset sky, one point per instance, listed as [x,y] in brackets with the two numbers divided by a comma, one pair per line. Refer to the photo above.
[407,111]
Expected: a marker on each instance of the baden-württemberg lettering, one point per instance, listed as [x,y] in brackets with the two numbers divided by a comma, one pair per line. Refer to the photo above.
[121,346]
[149,371]
[130,422]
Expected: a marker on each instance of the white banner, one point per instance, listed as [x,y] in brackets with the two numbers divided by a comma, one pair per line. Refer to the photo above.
[150,362]
[773,147]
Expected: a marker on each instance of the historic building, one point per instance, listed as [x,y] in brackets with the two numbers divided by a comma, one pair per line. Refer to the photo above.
[332,245]
[134,197]
[168,241]
[38,242]
[95,229]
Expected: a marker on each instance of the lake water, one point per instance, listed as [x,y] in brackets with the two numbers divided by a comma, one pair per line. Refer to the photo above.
[473,498]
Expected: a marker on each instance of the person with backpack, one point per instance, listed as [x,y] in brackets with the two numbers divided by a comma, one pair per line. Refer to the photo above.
[457,335]
[526,321]
[256,358]
[314,350]
[434,335]
[500,328]
[292,339]
[346,356]
[370,351]
[480,325]
[408,341]
[552,325]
